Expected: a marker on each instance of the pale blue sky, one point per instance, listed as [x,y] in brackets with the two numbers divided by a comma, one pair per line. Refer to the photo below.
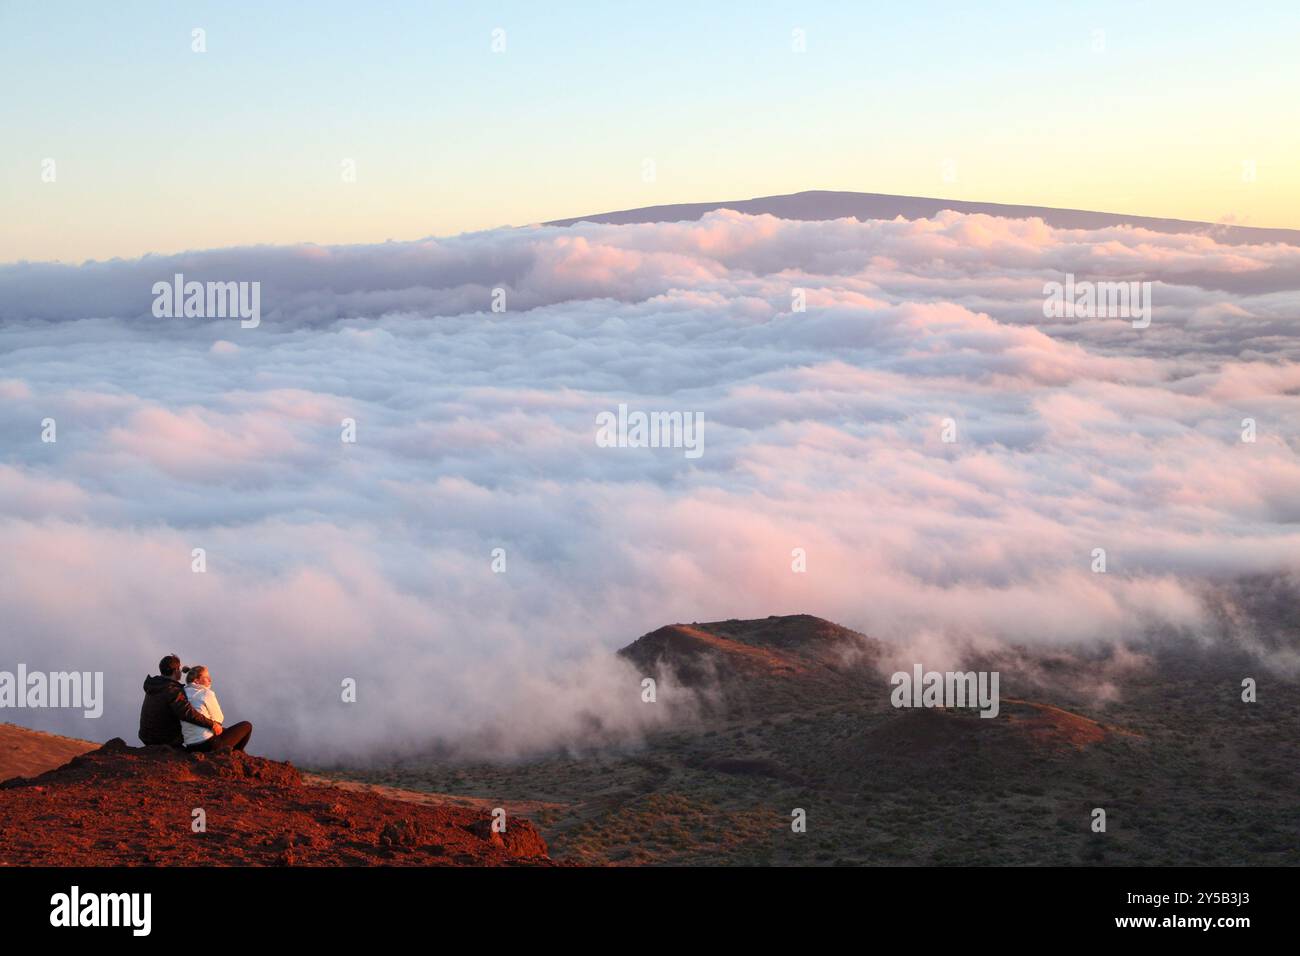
[159,148]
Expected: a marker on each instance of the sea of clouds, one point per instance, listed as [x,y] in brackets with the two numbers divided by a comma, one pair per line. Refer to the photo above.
[476,430]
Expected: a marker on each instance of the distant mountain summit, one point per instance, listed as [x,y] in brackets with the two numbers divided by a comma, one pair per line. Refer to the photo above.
[824,204]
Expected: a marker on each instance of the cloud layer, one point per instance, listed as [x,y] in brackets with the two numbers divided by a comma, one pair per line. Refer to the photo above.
[476,430]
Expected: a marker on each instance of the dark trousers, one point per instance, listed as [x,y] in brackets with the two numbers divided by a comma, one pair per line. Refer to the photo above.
[234,737]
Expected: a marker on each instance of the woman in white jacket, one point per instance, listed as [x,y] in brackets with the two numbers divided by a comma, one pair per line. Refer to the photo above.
[199,692]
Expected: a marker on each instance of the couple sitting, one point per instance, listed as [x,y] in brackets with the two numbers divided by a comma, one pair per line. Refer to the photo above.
[187,715]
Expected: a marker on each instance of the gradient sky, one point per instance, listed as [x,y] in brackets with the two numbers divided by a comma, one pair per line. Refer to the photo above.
[160,149]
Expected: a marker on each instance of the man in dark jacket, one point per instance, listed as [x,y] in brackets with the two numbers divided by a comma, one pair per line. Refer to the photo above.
[165,706]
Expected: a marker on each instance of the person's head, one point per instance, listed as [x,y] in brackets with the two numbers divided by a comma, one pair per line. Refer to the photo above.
[170,666]
[198,675]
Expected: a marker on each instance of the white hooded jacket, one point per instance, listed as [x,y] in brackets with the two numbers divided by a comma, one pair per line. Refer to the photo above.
[203,700]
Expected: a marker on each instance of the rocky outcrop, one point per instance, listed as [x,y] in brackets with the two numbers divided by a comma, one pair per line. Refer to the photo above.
[155,806]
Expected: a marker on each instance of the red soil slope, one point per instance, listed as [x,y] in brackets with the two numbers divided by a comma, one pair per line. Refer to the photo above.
[687,647]
[25,753]
[123,805]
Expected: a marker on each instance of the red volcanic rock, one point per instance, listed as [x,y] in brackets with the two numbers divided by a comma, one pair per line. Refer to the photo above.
[521,841]
[122,805]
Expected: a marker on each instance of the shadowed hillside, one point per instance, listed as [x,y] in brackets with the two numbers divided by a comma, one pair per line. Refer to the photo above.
[799,717]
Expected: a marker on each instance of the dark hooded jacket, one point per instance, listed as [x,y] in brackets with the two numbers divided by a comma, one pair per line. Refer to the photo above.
[164,707]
